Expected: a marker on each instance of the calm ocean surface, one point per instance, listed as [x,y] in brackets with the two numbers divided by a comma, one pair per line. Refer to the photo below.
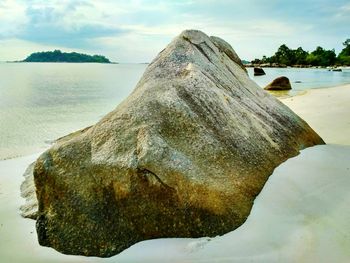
[309,78]
[40,102]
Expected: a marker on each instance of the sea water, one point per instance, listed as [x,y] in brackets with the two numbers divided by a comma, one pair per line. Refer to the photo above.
[40,102]
[303,78]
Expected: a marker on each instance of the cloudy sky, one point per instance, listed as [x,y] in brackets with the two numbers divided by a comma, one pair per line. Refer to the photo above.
[136,30]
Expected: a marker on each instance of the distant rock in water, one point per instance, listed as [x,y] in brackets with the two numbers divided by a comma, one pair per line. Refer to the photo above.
[184,155]
[259,72]
[58,56]
[280,83]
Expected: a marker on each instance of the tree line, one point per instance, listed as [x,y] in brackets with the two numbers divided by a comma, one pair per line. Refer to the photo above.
[58,56]
[318,57]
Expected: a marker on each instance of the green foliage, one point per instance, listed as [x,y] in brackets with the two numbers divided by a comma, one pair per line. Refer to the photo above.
[285,56]
[58,56]
[344,60]
[299,56]
[318,57]
[321,57]
[257,61]
[344,56]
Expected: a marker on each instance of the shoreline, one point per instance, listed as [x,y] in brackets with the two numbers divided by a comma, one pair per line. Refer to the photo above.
[321,88]
[326,110]
[300,66]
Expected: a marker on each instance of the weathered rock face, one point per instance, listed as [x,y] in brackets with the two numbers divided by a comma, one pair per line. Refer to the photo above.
[30,208]
[280,83]
[259,72]
[183,156]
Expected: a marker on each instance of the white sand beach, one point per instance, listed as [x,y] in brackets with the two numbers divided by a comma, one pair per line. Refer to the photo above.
[327,111]
[301,215]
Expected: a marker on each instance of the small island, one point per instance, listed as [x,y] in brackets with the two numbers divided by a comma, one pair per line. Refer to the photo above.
[59,56]
[300,58]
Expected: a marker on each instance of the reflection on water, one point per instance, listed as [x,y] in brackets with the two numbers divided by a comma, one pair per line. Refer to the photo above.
[43,101]
[280,93]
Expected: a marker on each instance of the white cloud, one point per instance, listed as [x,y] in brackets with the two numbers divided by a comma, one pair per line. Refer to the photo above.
[131,47]
[343,12]
[136,30]
[144,42]
[12,18]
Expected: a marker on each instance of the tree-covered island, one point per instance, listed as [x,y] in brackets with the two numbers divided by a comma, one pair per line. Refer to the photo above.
[59,56]
[299,57]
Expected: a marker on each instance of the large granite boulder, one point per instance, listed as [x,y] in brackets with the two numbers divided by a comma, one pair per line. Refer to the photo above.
[280,83]
[183,156]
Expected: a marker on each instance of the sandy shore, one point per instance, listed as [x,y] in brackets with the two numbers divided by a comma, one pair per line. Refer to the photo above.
[327,111]
[301,214]
[18,242]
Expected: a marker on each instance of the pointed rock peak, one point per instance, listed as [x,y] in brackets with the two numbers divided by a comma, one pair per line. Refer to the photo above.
[197,38]
[194,36]
[226,48]
[209,54]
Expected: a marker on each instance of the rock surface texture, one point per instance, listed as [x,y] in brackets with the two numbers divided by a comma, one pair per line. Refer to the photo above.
[280,83]
[30,208]
[183,156]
